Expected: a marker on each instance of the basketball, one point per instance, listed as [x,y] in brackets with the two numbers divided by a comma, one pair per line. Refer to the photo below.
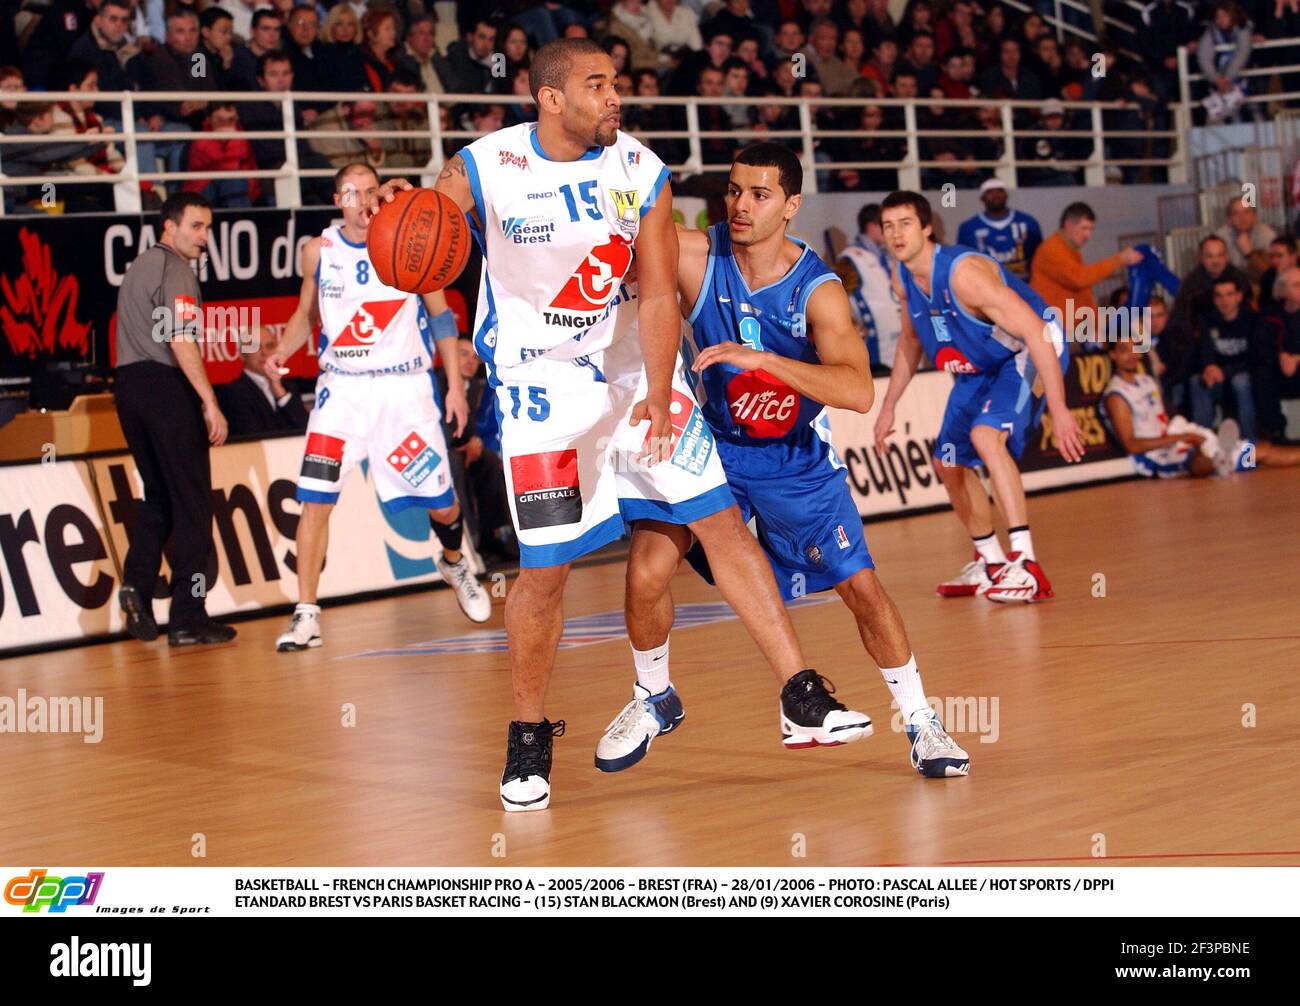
[419,242]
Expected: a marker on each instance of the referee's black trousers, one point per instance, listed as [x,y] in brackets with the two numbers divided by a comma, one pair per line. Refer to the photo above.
[163,423]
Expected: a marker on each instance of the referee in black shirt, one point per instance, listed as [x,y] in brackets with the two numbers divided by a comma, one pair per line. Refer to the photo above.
[169,415]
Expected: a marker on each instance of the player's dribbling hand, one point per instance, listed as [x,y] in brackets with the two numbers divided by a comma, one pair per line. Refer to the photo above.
[386,194]
[659,439]
[731,353]
[884,427]
[1069,438]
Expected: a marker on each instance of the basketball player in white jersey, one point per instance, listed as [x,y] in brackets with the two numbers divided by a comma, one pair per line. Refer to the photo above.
[1163,448]
[864,269]
[374,401]
[599,427]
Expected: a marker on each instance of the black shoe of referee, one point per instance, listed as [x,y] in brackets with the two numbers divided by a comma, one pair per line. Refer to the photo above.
[139,618]
[204,632]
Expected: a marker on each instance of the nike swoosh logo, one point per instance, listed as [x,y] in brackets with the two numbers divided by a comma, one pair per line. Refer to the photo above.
[724,300]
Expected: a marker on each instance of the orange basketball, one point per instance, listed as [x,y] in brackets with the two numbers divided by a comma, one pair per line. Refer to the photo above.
[419,242]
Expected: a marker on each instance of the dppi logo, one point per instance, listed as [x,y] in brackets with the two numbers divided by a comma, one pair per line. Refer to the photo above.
[36,891]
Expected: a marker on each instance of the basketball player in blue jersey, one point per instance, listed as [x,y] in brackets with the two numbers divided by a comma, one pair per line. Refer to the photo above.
[599,427]
[976,320]
[776,344]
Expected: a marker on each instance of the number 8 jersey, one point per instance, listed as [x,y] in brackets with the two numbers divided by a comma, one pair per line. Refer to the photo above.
[365,326]
[557,239]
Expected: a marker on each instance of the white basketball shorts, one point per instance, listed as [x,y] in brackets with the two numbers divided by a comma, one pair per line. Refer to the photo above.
[393,421]
[570,454]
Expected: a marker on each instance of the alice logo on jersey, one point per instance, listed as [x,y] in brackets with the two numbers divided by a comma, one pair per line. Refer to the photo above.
[413,459]
[692,440]
[954,361]
[536,230]
[367,325]
[761,406]
[547,493]
[593,283]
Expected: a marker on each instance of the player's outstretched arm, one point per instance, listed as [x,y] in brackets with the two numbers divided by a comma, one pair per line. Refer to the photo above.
[657,321]
[907,358]
[978,286]
[447,338]
[843,377]
[305,317]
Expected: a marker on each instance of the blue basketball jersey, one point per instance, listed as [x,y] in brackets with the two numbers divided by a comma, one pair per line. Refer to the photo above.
[953,339]
[748,406]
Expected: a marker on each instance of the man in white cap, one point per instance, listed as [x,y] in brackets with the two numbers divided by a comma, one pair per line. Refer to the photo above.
[1005,235]
[1051,149]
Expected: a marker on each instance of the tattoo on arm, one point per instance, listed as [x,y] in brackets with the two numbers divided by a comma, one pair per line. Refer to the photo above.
[456,166]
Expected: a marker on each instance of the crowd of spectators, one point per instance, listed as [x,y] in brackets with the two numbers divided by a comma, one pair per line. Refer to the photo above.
[953,49]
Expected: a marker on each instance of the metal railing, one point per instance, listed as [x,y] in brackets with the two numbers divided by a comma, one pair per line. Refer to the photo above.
[126,188]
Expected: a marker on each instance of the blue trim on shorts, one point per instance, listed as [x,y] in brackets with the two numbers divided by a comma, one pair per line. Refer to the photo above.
[314,496]
[563,552]
[399,503]
[716,500]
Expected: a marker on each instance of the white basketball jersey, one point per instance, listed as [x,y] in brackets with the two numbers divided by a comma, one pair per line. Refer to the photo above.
[875,308]
[557,240]
[365,326]
[1144,402]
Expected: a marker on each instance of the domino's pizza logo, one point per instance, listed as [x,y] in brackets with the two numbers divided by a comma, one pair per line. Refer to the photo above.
[692,440]
[413,459]
[546,489]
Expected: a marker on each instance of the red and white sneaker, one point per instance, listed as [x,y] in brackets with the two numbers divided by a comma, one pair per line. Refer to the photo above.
[1022,581]
[975,578]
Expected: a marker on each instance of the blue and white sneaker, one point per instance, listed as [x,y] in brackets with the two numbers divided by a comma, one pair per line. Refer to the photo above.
[1235,454]
[934,754]
[627,739]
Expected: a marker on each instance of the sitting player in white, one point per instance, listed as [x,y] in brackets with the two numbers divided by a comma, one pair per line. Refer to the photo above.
[374,401]
[1170,448]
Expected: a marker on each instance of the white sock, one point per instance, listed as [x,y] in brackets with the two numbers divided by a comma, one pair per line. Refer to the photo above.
[905,685]
[652,668]
[307,609]
[1021,542]
[990,549]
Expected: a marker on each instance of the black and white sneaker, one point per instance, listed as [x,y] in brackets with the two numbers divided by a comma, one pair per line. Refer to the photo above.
[303,632]
[138,615]
[811,718]
[526,781]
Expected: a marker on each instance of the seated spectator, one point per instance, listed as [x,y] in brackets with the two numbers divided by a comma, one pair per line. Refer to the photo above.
[412,148]
[104,44]
[835,73]
[11,79]
[469,59]
[227,154]
[344,64]
[256,402]
[713,117]
[1244,232]
[734,18]
[620,54]
[853,50]
[379,48]
[1059,275]
[172,67]
[956,30]
[307,54]
[1040,156]
[786,43]
[1280,377]
[275,77]
[672,24]
[217,45]
[878,23]
[242,13]
[918,16]
[1194,292]
[1009,80]
[56,157]
[884,150]
[1228,25]
[79,117]
[881,66]
[420,53]
[958,71]
[1052,72]
[353,118]
[685,80]
[735,84]
[1282,255]
[1134,410]
[50,42]
[990,146]
[919,58]
[266,29]
[656,118]
[525,109]
[629,21]
[748,52]
[1230,344]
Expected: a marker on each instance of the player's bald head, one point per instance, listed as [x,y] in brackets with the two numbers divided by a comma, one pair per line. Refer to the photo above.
[554,62]
[348,170]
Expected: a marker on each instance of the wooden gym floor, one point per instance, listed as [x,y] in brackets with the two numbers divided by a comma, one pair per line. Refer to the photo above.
[1118,716]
